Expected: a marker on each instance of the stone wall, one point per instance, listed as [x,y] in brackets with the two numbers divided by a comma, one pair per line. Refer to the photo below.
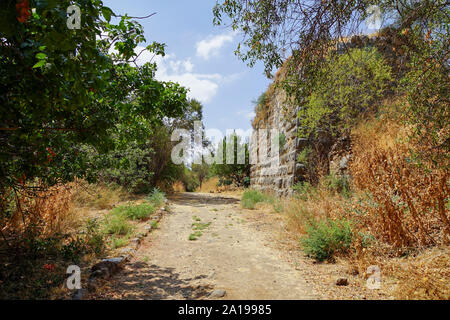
[275,172]
[279,174]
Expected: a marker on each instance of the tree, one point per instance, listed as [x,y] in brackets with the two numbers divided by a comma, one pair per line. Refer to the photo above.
[61,89]
[305,31]
[236,166]
[140,166]
[201,171]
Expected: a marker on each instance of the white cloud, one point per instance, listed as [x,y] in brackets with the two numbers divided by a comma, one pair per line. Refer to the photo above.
[211,46]
[246,114]
[202,87]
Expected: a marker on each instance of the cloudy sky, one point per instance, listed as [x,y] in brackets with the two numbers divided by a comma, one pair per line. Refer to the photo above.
[200,57]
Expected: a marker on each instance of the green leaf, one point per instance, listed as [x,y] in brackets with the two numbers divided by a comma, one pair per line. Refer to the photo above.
[41,56]
[107,13]
[40,64]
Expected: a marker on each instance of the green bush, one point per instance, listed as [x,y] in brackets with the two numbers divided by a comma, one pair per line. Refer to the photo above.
[119,242]
[251,197]
[95,240]
[348,86]
[117,224]
[337,183]
[139,212]
[325,238]
[157,197]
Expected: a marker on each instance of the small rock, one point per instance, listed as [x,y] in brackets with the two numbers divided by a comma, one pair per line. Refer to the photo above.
[127,250]
[163,209]
[218,294]
[212,274]
[148,228]
[114,260]
[135,240]
[342,282]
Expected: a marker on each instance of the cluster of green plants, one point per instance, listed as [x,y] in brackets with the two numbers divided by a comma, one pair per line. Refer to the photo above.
[198,227]
[251,197]
[117,223]
[324,239]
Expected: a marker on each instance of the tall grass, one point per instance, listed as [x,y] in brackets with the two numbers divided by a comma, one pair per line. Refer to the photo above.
[251,197]
[408,199]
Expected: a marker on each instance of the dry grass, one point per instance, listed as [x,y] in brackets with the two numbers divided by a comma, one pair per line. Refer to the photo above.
[98,196]
[407,206]
[52,210]
[209,185]
[401,206]
[178,187]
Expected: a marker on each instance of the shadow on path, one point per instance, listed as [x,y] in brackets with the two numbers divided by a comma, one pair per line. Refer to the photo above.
[200,200]
[143,281]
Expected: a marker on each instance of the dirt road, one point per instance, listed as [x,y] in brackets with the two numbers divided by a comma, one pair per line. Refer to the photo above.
[229,256]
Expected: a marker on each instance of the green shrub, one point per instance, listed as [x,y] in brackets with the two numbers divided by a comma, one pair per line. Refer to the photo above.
[94,238]
[119,242]
[337,183]
[139,212]
[251,197]
[157,197]
[325,238]
[117,224]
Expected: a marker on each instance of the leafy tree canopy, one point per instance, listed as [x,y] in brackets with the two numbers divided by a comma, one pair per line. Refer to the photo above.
[62,88]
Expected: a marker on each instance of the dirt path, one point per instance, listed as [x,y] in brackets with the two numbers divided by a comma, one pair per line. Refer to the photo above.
[230,255]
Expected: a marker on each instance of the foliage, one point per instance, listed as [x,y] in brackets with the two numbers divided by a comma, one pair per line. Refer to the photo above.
[338,184]
[345,88]
[140,167]
[326,238]
[303,189]
[235,166]
[190,180]
[134,212]
[55,100]
[202,171]
[117,224]
[251,197]
[157,197]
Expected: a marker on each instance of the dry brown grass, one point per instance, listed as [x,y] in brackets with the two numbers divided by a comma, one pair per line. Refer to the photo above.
[98,196]
[178,187]
[209,185]
[408,201]
[403,205]
[52,210]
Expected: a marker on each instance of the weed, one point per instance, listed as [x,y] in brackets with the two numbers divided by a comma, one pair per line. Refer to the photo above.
[157,197]
[325,238]
[117,224]
[139,212]
[154,224]
[119,242]
[194,236]
[251,197]
[200,226]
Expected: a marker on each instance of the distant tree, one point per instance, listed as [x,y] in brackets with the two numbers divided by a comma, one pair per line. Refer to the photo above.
[232,170]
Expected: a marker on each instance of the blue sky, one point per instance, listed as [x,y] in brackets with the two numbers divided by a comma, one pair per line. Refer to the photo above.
[200,56]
